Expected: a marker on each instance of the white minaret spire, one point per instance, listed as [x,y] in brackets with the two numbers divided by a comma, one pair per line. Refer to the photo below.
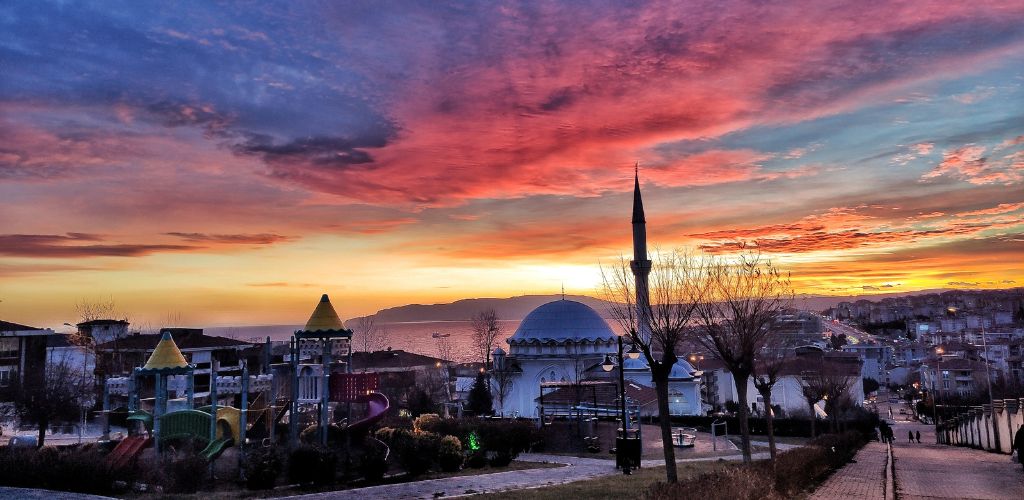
[640,264]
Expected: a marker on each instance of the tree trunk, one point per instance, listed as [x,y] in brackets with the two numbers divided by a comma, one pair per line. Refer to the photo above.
[44,424]
[741,393]
[661,388]
[770,423]
[814,421]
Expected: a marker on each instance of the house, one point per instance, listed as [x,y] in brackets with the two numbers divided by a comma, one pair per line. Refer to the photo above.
[400,372]
[787,394]
[954,377]
[103,330]
[22,355]
[875,359]
[206,352]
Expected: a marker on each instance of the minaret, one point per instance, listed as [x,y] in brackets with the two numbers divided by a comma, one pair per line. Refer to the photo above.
[640,265]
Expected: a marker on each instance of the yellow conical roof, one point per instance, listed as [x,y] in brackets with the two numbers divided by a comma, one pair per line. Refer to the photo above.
[324,317]
[166,355]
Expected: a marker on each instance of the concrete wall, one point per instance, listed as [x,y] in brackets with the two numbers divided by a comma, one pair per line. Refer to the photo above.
[986,427]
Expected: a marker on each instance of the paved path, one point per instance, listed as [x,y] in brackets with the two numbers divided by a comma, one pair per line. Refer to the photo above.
[928,470]
[862,479]
[576,469]
[33,494]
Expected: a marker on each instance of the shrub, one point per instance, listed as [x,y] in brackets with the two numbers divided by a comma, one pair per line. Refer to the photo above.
[311,435]
[187,474]
[796,469]
[505,440]
[449,455]
[415,450]
[428,422]
[262,466]
[476,459]
[311,465]
[373,463]
[75,469]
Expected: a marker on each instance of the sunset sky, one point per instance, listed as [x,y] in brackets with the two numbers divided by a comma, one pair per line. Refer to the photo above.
[232,162]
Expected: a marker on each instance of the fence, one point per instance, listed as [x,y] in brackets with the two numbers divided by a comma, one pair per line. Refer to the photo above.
[985,427]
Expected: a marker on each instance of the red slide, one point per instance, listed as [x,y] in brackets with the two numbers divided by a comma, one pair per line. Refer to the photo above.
[126,451]
[377,405]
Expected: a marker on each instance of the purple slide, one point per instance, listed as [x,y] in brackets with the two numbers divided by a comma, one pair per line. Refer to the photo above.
[377,405]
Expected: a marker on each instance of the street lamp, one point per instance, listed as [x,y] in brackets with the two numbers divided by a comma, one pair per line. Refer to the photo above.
[935,391]
[608,365]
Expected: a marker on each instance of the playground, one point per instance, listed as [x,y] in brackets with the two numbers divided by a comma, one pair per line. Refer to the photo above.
[305,424]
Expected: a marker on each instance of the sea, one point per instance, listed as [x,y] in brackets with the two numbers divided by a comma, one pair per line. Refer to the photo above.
[413,336]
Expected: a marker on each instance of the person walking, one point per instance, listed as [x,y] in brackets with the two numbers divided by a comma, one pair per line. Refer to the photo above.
[918,435]
[1018,443]
[910,437]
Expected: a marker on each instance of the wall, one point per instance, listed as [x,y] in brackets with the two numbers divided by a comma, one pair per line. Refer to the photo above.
[984,426]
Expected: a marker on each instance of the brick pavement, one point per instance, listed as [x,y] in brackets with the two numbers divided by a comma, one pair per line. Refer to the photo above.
[928,470]
[862,479]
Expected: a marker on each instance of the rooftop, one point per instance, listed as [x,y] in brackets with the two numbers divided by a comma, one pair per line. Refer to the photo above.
[391,359]
[185,338]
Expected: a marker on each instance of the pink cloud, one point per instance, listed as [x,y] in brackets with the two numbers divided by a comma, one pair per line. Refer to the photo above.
[1002,208]
[969,163]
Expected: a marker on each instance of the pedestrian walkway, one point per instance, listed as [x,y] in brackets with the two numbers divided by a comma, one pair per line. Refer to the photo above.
[862,479]
[34,494]
[928,470]
[575,469]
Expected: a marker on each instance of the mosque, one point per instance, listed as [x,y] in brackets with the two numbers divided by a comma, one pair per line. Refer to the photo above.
[565,342]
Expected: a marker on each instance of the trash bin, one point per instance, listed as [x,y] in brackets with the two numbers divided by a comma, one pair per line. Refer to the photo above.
[627,452]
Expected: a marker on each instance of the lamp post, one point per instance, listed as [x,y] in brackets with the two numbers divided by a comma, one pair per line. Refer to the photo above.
[935,392]
[695,360]
[607,366]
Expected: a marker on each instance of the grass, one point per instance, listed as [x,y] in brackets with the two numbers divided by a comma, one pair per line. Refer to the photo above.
[615,486]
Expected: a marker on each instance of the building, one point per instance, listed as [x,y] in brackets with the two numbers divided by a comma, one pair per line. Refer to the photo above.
[787,394]
[876,359]
[206,352]
[400,373]
[564,343]
[22,356]
[560,341]
[103,330]
[953,376]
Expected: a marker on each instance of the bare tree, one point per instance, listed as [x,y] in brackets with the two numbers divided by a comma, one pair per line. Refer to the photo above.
[63,393]
[445,349]
[657,325]
[445,352]
[742,298]
[486,329]
[767,371]
[503,379]
[828,382]
[372,336]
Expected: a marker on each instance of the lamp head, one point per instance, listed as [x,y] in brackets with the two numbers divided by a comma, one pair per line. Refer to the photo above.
[633,353]
[608,363]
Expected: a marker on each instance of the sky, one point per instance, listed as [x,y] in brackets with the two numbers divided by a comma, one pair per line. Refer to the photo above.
[226,163]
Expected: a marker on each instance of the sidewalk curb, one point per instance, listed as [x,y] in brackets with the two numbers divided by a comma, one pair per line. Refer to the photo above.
[890,474]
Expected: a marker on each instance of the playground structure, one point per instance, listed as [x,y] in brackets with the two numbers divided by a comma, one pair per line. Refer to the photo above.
[306,390]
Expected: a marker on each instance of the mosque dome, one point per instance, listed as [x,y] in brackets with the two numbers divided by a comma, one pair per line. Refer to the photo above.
[560,321]
[681,369]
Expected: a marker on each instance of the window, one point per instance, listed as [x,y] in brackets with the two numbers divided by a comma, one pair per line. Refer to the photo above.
[6,376]
[8,348]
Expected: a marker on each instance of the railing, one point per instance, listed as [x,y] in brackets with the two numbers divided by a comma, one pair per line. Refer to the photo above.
[987,427]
